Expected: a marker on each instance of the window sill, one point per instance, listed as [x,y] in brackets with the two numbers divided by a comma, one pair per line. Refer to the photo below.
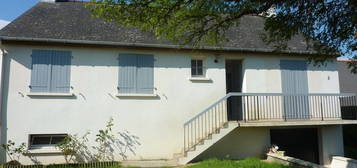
[50,94]
[200,79]
[48,150]
[136,95]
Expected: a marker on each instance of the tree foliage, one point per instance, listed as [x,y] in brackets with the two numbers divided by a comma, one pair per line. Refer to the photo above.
[329,25]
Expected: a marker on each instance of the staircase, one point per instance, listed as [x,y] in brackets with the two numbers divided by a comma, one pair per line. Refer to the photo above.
[206,129]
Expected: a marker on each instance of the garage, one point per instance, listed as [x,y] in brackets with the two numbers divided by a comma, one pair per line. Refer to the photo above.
[300,143]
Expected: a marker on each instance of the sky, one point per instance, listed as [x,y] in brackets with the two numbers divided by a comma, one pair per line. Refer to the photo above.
[11,9]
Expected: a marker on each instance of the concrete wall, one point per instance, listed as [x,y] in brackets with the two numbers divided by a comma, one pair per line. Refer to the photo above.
[239,144]
[157,122]
[342,162]
[331,143]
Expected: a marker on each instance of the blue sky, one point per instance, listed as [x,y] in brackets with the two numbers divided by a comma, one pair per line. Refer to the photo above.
[11,9]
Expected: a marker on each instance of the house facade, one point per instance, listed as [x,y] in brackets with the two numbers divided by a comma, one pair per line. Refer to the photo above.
[67,73]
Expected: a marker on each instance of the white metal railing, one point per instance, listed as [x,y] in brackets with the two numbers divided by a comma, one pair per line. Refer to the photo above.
[267,107]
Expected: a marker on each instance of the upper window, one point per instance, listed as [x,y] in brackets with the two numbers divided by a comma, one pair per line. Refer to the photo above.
[37,141]
[196,67]
[50,71]
[136,74]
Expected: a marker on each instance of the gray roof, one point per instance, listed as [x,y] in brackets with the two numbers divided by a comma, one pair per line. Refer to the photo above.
[71,22]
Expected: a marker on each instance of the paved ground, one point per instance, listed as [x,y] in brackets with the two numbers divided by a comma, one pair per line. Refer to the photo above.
[150,163]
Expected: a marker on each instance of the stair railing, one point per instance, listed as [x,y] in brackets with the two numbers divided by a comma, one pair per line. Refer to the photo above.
[206,123]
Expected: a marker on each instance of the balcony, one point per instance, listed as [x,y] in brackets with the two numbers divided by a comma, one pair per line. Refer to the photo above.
[277,109]
[291,108]
[269,110]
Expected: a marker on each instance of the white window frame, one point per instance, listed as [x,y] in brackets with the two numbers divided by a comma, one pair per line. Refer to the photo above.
[41,146]
[196,68]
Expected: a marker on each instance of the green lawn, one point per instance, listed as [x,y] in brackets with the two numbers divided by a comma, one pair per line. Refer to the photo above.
[246,163]
[211,163]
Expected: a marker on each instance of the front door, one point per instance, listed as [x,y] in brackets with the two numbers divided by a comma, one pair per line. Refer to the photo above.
[294,82]
[234,84]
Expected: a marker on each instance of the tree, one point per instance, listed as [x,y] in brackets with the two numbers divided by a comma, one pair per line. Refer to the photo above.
[329,25]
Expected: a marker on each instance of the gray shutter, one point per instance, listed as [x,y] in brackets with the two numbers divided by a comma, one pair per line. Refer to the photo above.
[41,71]
[145,74]
[127,73]
[294,76]
[61,70]
[294,81]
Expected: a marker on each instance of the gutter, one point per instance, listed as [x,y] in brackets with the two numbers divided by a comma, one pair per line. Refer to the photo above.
[146,45]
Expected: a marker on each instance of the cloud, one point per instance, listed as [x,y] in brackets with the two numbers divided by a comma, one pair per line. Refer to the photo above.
[3,23]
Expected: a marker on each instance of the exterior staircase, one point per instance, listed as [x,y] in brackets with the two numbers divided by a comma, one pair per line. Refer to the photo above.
[208,142]
[206,129]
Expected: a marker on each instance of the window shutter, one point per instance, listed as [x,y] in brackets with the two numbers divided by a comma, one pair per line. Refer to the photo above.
[145,74]
[294,81]
[127,73]
[41,71]
[60,81]
[294,76]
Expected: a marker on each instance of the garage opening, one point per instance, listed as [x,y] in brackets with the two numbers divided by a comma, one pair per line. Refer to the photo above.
[301,143]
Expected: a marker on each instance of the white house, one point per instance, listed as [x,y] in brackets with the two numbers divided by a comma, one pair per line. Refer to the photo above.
[65,72]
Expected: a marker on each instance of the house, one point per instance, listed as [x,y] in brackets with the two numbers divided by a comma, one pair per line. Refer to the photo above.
[347,79]
[65,72]
[348,85]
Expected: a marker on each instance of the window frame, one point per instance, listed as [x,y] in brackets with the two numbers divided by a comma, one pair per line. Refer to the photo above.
[195,68]
[39,146]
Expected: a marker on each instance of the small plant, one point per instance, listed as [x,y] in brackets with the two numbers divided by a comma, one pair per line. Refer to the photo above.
[75,149]
[105,138]
[14,152]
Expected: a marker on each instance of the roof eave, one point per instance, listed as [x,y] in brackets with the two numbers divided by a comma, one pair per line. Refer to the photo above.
[146,45]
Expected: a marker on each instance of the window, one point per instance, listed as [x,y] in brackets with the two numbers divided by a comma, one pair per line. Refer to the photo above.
[50,71]
[38,141]
[136,74]
[196,67]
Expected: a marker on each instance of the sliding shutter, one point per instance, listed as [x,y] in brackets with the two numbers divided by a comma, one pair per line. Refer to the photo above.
[127,73]
[41,71]
[295,81]
[294,76]
[145,74]
[61,61]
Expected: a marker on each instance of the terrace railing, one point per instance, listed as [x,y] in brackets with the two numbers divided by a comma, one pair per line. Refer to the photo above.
[249,107]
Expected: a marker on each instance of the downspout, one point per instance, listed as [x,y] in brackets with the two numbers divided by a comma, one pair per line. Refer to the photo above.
[3,53]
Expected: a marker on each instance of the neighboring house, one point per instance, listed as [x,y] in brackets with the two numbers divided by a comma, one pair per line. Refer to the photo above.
[348,80]
[348,84]
[66,73]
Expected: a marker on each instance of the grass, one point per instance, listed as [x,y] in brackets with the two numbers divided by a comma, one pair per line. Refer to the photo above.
[211,163]
[246,163]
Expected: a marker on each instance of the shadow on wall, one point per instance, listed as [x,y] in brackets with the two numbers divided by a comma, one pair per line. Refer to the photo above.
[108,145]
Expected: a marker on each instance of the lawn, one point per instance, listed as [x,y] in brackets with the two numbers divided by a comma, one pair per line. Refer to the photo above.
[211,163]
[246,163]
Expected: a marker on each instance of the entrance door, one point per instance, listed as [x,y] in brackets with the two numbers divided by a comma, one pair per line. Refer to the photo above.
[294,81]
[234,84]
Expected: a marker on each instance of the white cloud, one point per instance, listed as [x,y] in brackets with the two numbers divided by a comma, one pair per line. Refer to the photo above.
[3,23]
